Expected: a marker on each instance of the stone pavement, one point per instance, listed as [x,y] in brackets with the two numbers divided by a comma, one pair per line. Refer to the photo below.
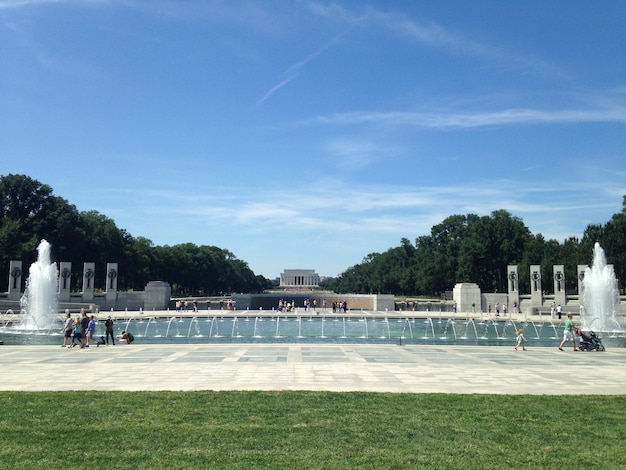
[338,368]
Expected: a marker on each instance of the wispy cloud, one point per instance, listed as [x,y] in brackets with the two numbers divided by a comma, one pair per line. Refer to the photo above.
[275,88]
[332,206]
[298,65]
[463,120]
[9,4]
[430,34]
[357,152]
[6,4]
[294,69]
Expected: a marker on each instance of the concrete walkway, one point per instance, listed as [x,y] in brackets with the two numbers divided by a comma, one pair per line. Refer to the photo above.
[338,368]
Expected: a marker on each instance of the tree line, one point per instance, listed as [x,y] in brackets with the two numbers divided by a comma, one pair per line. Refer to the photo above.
[469,248]
[462,248]
[30,212]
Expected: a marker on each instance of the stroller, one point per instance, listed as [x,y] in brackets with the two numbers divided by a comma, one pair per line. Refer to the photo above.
[590,341]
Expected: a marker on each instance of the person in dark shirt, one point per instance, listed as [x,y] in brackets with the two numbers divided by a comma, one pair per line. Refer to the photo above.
[108,326]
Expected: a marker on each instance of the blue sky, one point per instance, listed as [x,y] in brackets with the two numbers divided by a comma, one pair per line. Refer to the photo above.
[309,134]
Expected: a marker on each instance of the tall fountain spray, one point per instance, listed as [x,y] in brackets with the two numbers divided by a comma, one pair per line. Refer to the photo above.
[600,295]
[40,301]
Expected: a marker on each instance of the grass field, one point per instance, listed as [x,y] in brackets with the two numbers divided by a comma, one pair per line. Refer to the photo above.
[298,430]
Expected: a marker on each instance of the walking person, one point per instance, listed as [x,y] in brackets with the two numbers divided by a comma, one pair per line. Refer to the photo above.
[568,333]
[108,326]
[78,333]
[68,329]
[520,340]
[91,330]
[84,324]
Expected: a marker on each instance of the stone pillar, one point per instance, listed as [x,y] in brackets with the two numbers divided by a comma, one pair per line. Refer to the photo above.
[111,287]
[558,271]
[513,283]
[65,281]
[536,295]
[467,297]
[157,295]
[580,269]
[89,276]
[15,280]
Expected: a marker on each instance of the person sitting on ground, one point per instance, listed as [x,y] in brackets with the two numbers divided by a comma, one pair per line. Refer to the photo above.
[101,341]
[127,337]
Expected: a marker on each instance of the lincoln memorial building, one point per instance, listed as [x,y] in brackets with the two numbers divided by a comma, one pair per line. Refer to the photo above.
[299,278]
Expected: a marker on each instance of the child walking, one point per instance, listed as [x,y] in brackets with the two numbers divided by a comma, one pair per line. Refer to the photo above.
[520,340]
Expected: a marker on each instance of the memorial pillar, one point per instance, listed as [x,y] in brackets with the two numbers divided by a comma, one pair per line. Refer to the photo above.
[65,281]
[89,274]
[513,283]
[536,295]
[558,271]
[15,280]
[111,287]
[580,269]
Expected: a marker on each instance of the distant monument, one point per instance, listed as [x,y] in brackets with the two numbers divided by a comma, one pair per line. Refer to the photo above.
[303,278]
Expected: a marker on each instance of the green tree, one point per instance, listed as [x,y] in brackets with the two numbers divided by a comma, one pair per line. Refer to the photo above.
[29,212]
[104,243]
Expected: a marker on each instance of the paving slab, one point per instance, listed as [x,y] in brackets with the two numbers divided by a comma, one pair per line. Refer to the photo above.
[336,368]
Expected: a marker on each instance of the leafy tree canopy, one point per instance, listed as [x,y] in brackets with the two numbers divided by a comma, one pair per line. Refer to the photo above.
[30,212]
[462,248]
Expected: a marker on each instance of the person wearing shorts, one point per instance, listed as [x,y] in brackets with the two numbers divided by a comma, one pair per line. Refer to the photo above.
[568,333]
[68,329]
[91,329]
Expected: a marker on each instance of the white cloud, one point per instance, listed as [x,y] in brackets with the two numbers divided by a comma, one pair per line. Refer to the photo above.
[274,89]
[430,34]
[6,4]
[465,120]
[352,153]
[374,209]
[294,69]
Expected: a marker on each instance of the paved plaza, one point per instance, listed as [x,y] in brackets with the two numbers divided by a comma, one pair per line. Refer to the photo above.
[336,367]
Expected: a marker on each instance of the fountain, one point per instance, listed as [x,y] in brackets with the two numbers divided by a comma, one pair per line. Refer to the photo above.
[429,325]
[600,295]
[39,301]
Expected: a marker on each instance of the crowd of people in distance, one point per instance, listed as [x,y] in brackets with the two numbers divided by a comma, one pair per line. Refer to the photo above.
[81,331]
[183,305]
[308,305]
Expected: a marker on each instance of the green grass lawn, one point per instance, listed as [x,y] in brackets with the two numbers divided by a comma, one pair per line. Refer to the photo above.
[296,430]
